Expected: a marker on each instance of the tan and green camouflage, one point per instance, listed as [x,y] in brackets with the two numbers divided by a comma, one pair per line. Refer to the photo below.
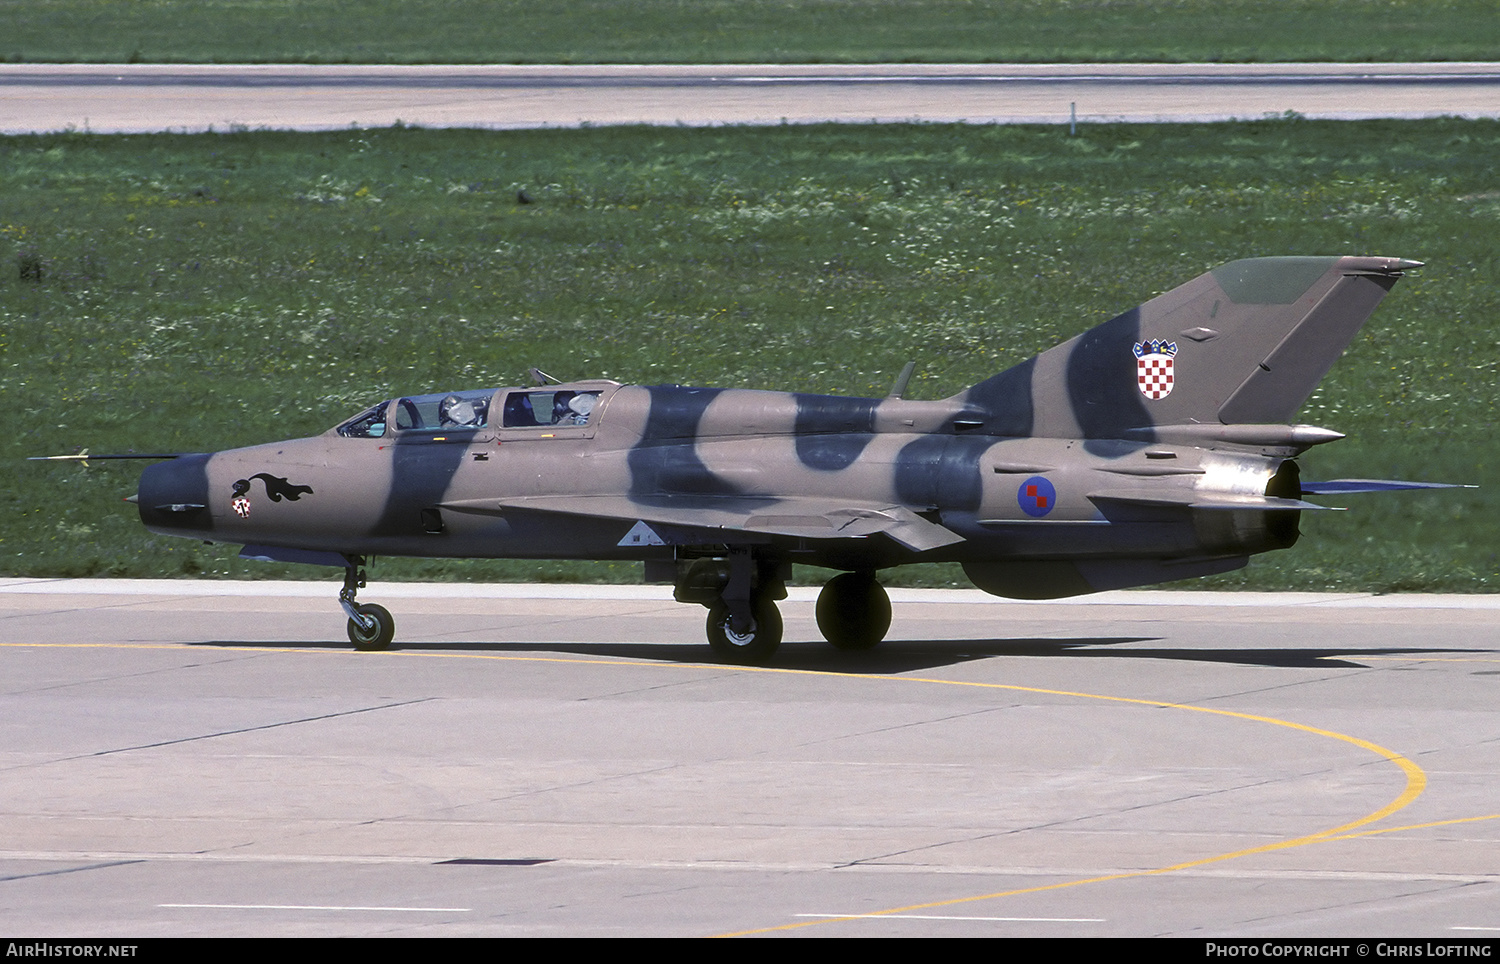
[1156,446]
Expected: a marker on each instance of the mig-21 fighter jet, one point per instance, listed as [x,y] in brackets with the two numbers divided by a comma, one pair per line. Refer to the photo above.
[1158,446]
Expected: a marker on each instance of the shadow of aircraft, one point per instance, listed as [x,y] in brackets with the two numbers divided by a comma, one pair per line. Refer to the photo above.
[897,656]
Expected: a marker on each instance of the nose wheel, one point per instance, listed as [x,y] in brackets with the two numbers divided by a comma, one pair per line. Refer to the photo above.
[371,627]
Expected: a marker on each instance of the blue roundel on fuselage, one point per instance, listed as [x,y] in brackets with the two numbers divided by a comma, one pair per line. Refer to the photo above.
[1036,496]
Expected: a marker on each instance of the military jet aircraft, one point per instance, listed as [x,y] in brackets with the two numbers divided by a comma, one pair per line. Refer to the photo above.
[1156,446]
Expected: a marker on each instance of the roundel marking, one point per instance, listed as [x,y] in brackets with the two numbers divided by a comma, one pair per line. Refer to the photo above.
[1036,496]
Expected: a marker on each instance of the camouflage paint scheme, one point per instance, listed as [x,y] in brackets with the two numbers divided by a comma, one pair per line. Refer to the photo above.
[1153,447]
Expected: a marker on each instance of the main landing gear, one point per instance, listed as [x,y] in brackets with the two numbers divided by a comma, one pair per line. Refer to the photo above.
[748,642]
[853,611]
[371,627]
[740,591]
[744,625]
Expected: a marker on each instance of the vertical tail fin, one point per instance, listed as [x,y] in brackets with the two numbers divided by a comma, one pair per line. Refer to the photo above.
[1245,343]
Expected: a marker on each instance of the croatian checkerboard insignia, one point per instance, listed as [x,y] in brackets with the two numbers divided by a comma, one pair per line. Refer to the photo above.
[1154,369]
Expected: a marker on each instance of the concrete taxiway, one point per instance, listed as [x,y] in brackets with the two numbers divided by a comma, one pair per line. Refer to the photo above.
[193,758]
[145,98]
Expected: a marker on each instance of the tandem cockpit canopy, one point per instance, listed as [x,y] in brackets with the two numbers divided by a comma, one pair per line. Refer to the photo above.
[450,411]
[554,405]
[551,406]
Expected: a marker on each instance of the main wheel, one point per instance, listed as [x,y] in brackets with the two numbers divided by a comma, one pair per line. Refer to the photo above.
[379,635]
[853,611]
[752,647]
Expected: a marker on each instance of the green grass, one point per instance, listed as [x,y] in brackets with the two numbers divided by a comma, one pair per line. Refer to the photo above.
[208,291]
[746,31]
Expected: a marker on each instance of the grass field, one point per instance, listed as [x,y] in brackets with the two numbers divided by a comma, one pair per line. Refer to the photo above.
[746,31]
[171,293]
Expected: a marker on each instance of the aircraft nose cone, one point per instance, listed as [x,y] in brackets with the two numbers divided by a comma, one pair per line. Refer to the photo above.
[173,495]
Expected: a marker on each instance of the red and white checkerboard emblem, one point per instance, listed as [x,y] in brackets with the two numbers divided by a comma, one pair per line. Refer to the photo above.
[1155,368]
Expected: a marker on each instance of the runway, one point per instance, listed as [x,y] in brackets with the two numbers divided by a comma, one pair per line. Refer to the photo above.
[144,98]
[195,758]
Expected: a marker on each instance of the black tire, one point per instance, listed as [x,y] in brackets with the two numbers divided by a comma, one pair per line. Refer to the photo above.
[753,648]
[854,612]
[371,639]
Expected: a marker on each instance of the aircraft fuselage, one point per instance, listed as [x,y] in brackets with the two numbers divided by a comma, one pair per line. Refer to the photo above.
[457,492]
[1155,446]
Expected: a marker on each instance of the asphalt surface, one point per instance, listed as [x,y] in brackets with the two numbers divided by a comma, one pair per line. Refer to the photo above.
[124,98]
[189,758]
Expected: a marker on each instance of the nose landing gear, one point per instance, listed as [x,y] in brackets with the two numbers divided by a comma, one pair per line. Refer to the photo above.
[371,627]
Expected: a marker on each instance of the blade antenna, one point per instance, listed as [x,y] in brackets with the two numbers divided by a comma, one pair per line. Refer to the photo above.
[898,390]
[540,377]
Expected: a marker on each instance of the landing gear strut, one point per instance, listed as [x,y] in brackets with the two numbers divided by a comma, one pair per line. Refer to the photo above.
[371,627]
[853,611]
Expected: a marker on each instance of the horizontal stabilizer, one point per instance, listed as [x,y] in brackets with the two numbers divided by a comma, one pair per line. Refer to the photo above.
[806,518]
[1204,500]
[1353,486]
